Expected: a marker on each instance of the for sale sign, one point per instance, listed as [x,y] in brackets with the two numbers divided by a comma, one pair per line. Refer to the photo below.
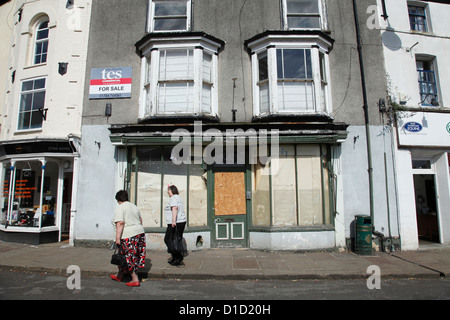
[110,83]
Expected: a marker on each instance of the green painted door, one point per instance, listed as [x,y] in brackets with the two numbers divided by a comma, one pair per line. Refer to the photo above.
[229,209]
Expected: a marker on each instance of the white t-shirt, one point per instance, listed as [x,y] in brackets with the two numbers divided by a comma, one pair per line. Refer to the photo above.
[128,213]
[175,201]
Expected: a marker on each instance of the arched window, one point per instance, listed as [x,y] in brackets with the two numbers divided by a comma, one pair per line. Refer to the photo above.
[41,43]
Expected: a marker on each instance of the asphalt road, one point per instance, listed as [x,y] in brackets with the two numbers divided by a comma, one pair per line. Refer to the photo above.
[30,286]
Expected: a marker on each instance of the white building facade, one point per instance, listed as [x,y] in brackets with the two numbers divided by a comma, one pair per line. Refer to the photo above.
[416,41]
[41,118]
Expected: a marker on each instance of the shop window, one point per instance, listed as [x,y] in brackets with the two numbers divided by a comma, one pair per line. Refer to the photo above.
[29,200]
[169,15]
[156,171]
[284,189]
[295,192]
[149,185]
[32,102]
[261,195]
[198,196]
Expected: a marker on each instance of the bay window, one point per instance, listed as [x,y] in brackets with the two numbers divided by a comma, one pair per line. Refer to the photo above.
[294,78]
[179,76]
[176,81]
[290,72]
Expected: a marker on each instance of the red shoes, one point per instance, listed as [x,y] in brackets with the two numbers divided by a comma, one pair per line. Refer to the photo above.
[114,277]
[133,284]
[130,284]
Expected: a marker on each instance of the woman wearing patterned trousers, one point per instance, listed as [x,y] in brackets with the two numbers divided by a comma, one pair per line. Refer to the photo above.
[130,238]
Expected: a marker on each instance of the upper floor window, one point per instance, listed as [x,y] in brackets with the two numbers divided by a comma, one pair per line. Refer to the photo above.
[303,14]
[169,15]
[290,77]
[417,18]
[179,76]
[41,43]
[32,102]
[427,83]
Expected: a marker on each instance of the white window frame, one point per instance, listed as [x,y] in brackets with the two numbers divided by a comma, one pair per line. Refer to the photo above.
[152,16]
[269,45]
[33,92]
[150,72]
[322,13]
[41,41]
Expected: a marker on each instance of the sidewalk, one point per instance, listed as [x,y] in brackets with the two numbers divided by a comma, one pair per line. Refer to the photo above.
[237,264]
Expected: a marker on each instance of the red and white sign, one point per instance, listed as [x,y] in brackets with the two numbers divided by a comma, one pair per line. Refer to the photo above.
[110,83]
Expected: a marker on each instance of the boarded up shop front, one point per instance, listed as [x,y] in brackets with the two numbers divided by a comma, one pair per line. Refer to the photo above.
[234,200]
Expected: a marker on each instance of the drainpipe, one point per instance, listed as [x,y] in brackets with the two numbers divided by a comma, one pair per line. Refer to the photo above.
[366,111]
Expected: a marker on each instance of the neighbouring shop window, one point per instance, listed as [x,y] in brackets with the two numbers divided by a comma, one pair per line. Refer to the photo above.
[295,191]
[29,201]
[155,172]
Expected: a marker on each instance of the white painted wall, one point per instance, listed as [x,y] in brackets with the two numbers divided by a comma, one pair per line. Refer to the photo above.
[400,55]
[96,204]
[401,48]
[6,26]
[68,36]
[356,180]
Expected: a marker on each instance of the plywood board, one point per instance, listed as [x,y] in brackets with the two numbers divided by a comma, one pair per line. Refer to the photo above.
[229,193]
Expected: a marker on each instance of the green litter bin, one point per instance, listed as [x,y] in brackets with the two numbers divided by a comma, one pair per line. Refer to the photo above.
[363,238]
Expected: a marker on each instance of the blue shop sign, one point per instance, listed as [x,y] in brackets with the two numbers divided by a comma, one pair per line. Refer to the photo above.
[413,127]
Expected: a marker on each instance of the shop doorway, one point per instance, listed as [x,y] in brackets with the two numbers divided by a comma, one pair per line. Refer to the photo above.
[426,207]
[229,211]
[67,203]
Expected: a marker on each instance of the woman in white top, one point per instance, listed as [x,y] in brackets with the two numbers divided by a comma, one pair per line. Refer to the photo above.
[130,238]
[176,221]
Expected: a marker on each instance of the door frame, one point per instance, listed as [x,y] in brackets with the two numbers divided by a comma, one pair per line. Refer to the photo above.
[238,243]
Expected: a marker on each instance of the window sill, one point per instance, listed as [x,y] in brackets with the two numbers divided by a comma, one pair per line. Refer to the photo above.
[35,66]
[178,118]
[26,131]
[424,108]
[288,117]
